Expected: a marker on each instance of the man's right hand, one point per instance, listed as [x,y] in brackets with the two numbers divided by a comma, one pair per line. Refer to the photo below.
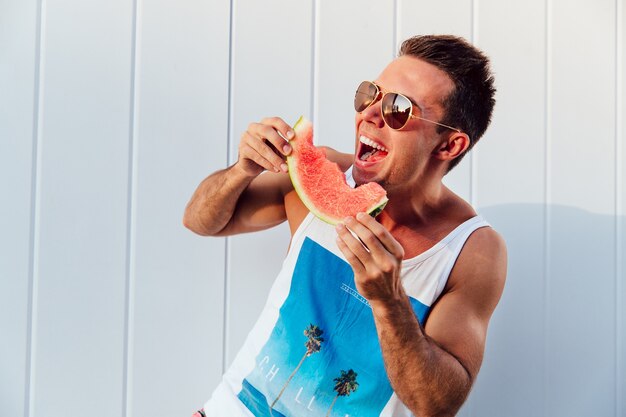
[263,147]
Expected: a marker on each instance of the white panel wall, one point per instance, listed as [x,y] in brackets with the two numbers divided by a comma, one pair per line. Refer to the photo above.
[109,122]
[177,278]
[18,72]
[81,209]
[580,222]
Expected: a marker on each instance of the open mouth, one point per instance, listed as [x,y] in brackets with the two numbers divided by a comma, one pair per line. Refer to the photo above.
[370,151]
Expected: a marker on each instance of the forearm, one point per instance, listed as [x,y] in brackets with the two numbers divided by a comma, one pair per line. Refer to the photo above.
[426,378]
[213,204]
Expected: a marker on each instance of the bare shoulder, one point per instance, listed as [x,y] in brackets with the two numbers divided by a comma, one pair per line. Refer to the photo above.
[485,241]
[480,270]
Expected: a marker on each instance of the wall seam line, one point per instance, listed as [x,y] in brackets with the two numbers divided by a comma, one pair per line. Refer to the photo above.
[618,208]
[473,159]
[131,216]
[314,61]
[35,213]
[396,12]
[229,135]
[547,192]
[473,191]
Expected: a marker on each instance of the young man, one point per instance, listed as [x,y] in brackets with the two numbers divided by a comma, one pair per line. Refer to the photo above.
[392,324]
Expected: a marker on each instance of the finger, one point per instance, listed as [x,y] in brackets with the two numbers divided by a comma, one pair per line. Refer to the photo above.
[352,259]
[248,152]
[382,235]
[251,148]
[281,126]
[354,245]
[276,139]
[257,140]
[274,136]
[380,257]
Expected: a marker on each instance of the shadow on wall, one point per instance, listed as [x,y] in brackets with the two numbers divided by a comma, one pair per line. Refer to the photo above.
[551,348]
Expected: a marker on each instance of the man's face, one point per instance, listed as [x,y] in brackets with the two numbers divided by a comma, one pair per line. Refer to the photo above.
[405,154]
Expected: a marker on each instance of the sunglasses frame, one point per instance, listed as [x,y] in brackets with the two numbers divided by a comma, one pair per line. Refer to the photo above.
[380,95]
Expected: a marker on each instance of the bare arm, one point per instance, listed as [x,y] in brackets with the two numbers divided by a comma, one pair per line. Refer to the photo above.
[243,198]
[229,202]
[239,199]
[431,369]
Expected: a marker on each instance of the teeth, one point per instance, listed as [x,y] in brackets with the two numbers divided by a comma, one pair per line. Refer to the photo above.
[373,144]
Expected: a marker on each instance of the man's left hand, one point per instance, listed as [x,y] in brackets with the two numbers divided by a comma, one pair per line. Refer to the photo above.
[375,259]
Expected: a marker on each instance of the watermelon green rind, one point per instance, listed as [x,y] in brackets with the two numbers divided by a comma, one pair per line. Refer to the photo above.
[373,209]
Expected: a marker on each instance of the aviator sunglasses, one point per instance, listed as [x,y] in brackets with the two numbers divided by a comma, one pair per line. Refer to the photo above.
[397,109]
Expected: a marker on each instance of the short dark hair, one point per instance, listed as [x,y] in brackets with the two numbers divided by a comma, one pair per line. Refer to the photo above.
[469,105]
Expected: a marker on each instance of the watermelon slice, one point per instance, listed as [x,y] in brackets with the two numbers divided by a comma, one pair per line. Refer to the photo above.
[322,186]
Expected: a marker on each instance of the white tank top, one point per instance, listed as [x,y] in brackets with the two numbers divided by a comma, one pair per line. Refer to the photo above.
[315,346]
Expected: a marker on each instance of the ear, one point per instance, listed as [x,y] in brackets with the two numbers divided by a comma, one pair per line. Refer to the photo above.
[453,146]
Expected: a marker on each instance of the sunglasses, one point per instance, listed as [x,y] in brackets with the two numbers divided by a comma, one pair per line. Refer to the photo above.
[397,109]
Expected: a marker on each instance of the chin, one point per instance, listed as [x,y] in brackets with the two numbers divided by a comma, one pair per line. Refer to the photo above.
[362,177]
[358,175]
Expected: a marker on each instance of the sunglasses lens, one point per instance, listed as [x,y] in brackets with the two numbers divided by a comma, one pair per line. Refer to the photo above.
[396,110]
[365,94]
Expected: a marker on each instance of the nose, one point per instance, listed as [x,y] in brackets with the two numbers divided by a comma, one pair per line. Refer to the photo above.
[373,114]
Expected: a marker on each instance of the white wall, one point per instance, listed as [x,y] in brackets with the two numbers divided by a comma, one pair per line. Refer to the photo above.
[111,112]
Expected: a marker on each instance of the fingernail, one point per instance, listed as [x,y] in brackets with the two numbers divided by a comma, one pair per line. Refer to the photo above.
[287,149]
[284,167]
[360,216]
[346,220]
[339,226]
[290,134]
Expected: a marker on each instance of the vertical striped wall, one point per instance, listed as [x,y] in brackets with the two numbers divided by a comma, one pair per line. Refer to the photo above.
[112,112]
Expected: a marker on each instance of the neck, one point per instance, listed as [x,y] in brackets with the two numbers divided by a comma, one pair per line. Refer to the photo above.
[414,206]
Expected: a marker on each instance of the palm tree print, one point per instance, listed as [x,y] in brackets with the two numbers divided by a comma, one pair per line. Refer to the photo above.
[345,384]
[313,345]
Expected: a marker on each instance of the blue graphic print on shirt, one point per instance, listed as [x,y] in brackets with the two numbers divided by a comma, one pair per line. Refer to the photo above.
[308,374]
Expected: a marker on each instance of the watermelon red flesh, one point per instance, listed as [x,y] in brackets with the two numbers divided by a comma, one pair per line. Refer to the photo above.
[322,186]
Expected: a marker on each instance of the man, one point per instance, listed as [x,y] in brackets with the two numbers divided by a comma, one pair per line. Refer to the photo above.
[384,316]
